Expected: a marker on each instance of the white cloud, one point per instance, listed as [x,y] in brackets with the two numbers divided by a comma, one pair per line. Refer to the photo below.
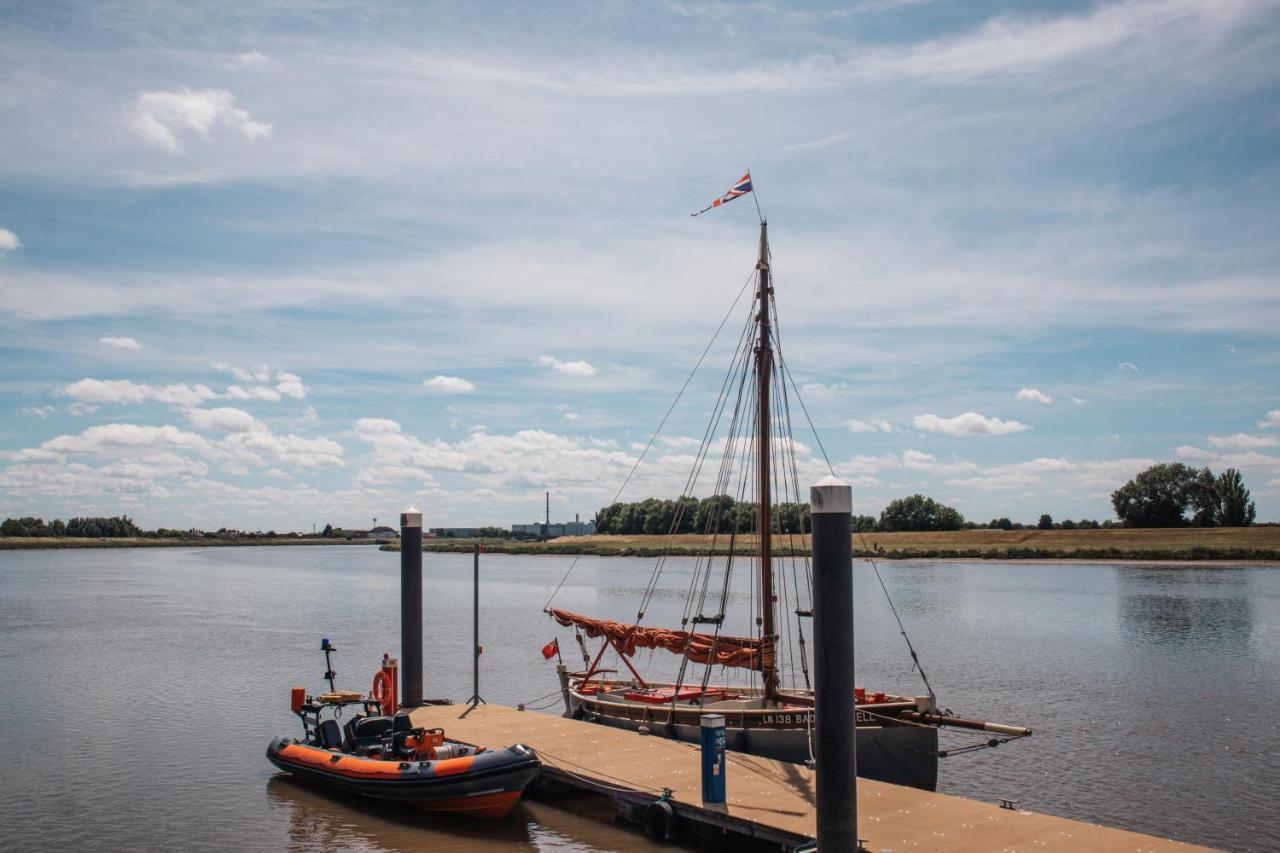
[1128,367]
[969,423]
[571,416]
[524,462]
[1241,441]
[112,436]
[1043,464]
[996,482]
[569,368]
[916,460]
[1018,475]
[256,373]
[293,449]
[162,118]
[1018,44]
[1077,400]
[873,425]
[120,343]
[79,409]
[259,378]
[290,385]
[254,392]
[1246,458]
[250,59]
[441,384]
[9,242]
[224,419]
[820,391]
[1271,419]
[1033,395]
[37,411]
[156,465]
[126,392]
[1109,474]
[35,454]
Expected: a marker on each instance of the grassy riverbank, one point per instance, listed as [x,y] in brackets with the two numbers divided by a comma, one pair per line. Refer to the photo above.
[1218,543]
[35,543]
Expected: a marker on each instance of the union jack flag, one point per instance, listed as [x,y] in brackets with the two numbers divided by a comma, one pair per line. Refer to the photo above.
[742,187]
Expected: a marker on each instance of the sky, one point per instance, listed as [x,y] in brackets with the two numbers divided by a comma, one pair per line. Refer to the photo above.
[275,265]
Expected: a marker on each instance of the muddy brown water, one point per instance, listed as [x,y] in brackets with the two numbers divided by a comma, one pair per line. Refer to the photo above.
[140,688]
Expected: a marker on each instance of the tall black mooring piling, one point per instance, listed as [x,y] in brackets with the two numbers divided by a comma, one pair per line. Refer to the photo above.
[410,608]
[831,505]
[475,628]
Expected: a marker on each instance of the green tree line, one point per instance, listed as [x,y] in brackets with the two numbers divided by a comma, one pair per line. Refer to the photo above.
[1167,495]
[714,514]
[98,528]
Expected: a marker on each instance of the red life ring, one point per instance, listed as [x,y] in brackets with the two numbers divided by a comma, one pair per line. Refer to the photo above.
[383,690]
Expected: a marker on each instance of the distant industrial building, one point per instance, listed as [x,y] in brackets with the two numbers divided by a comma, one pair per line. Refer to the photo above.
[380,533]
[554,531]
[456,532]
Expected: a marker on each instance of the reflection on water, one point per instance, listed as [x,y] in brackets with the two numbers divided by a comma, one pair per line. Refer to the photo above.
[1211,612]
[161,675]
[318,819]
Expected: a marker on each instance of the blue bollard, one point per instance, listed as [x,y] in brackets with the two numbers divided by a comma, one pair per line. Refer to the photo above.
[713,759]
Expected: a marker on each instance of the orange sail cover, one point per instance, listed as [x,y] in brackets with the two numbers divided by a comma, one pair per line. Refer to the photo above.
[701,648]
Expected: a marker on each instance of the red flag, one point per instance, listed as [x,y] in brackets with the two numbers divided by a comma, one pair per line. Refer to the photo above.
[551,649]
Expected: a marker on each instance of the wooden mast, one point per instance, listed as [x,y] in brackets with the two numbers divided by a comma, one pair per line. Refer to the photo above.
[764,369]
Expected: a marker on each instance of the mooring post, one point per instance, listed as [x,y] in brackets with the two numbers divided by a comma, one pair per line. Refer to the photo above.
[831,512]
[411,608]
[713,759]
[475,630]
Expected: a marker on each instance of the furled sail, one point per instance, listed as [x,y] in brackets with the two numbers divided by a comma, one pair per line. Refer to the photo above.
[744,652]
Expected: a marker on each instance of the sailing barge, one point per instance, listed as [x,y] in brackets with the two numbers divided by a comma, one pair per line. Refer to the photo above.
[897,736]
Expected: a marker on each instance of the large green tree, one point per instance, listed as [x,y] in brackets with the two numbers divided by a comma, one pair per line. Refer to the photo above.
[27,526]
[1234,508]
[1162,495]
[919,513]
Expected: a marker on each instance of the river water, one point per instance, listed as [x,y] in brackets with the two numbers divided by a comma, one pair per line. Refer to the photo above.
[139,688]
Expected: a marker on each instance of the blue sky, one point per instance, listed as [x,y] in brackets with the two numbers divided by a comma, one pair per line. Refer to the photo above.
[276,264]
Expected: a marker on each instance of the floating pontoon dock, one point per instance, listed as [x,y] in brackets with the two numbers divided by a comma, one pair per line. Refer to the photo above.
[769,800]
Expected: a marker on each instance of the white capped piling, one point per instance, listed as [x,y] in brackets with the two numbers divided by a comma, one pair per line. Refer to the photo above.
[831,512]
[410,608]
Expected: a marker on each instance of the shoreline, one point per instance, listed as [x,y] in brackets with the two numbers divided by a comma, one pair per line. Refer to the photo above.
[1210,547]
[51,543]
[1259,547]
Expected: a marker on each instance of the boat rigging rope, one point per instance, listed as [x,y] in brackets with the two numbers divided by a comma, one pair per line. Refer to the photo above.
[915,657]
[901,628]
[661,423]
[989,743]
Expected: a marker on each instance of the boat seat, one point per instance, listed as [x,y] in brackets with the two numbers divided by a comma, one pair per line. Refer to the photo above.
[366,733]
[349,733]
[401,722]
[329,734]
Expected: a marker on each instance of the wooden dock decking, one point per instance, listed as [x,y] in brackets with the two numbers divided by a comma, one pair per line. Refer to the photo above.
[768,799]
